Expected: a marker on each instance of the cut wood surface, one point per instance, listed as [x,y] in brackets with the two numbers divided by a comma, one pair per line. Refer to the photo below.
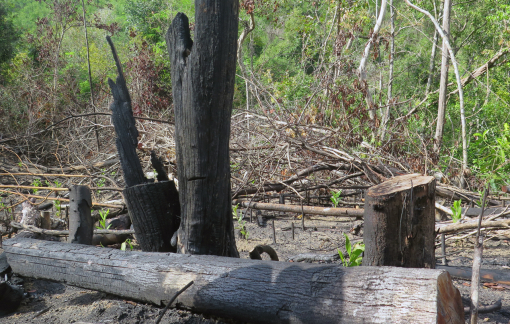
[248,290]
[399,223]
[311,210]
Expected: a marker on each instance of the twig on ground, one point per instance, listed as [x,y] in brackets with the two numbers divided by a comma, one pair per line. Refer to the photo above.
[172,300]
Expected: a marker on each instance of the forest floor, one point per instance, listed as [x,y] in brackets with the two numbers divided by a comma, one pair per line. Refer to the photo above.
[51,302]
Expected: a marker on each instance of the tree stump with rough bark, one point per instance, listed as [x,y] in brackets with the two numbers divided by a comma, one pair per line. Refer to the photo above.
[81,223]
[203,77]
[153,207]
[399,222]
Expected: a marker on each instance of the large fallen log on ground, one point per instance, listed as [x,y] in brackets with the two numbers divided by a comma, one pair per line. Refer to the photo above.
[248,290]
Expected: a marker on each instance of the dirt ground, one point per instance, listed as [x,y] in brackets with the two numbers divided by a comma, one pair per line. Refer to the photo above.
[50,302]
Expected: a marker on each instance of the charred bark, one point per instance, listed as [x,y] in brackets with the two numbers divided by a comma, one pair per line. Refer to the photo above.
[203,75]
[251,291]
[81,223]
[153,207]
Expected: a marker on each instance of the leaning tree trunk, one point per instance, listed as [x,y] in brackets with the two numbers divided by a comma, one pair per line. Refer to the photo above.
[399,223]
[443,86]
[153,207]
[203,75]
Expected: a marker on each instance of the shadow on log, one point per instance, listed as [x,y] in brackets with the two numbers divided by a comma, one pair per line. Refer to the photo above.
[248,290]
[153,207]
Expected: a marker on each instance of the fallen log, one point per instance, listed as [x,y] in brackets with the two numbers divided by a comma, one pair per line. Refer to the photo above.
[457,227]
[486,275]
[248,290]
[66,232]
[309,210]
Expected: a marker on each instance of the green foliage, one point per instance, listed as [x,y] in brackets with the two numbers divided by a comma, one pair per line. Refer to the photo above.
[335,197]
[8,35]
[354,253]
[457,211]
[36,183]
[241,223]
[492,152]
[102,222]
[125,244]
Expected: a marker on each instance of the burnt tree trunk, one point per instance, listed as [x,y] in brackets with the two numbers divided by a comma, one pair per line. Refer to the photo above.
[399,222]
[153,207]
[81,223]
[203,75]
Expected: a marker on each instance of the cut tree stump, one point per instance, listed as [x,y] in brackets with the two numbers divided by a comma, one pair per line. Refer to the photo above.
[81,223]
[10,298]
[248,290]
[399,222]
[153,207]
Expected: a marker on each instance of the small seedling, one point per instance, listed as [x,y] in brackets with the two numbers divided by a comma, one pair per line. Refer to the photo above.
[58,207]
[126,243]
[354,253]
[457,211]
[102,222]
[36,183]
[335,197]
[241,224]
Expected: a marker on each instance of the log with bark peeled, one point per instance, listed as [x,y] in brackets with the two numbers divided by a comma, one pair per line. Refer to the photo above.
[283,292]
[309,210]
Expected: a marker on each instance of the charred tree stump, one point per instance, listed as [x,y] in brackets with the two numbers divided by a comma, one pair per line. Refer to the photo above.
[153,207]
[399,222]
[203,74]
[81,223]
[10,298]
[252,291]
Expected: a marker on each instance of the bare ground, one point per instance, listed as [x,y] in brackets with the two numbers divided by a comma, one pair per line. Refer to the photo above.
[50,302]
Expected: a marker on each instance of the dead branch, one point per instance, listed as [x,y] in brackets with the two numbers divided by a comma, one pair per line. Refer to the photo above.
[35,229]
[310,210]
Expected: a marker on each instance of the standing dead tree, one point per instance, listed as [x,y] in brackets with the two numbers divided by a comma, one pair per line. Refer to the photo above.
[203,73]
[153,207]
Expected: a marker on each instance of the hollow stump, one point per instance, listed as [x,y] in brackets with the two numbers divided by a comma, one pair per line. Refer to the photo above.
[154,208]
[399,223]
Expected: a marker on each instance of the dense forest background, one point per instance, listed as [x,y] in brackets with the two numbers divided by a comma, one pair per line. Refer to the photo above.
[299,63]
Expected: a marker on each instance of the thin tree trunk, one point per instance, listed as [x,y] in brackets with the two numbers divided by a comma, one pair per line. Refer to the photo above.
[247,29]
[203,73]
[432,61]
[432,64]
[459,86]
[362,73]
[443,86]
[90,74]
[386,115]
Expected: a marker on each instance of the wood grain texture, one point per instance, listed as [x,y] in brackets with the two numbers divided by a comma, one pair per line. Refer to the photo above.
[203,75]
[248,290]
[125,128]
[399,223]
[154,210]
[81,223]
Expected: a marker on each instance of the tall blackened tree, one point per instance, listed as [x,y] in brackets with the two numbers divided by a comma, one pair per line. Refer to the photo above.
[203,73]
